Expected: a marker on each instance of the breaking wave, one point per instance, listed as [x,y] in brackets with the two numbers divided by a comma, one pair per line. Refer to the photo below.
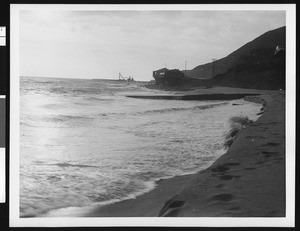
[165,110]
[175,109]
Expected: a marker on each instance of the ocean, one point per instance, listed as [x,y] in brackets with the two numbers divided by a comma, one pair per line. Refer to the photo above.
[83,143]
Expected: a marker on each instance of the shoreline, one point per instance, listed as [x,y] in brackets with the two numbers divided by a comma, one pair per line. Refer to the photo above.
[228,187]
[145,205]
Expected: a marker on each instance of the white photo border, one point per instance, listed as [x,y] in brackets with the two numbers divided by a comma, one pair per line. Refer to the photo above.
[288,221]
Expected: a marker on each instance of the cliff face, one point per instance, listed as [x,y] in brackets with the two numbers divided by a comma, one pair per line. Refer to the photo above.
[261,75]
[258,50]
[269,74]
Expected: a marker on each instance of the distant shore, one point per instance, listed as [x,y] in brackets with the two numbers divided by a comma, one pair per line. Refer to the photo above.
[247,181]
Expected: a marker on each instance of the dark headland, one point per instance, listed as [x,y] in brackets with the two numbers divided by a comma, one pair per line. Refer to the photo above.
[249,179]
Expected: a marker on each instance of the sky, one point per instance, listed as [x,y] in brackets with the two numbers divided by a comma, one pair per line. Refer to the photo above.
[102,44]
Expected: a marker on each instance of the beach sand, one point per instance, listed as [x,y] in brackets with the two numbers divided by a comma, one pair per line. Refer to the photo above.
[247,181]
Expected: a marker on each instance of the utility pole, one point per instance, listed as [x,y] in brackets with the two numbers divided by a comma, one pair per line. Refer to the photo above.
[185,66]
[213,68]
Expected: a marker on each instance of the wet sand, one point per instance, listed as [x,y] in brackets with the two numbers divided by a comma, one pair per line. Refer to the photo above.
[247,181]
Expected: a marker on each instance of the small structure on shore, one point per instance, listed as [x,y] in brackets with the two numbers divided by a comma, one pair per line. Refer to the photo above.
[165,76]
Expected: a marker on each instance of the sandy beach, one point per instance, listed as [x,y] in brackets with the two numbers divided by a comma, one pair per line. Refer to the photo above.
[247,181]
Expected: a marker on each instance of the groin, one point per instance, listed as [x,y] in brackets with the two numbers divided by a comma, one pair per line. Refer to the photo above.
[195,97]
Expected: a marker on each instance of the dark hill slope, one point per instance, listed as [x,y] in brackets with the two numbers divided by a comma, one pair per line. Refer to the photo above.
[269,74]
[258,50]
[263,75]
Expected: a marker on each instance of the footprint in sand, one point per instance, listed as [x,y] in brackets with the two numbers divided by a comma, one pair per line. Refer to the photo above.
[269,154]
[223,197]
[266,152]
[254,137]
[262,162]
[224,167]
[271,123]
[229,177]
[219,186]
[280,158]
[272,213]
[234,208]
[271,144]
[250,168]
[171,208]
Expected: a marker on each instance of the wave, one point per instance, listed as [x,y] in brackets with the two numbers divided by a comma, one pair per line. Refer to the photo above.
[103,200]
[164,110]
[63,165]
[62,118]
[23,123]
[141,184]
[175,109]
[99,99]
[74,92]
[131,191]
[58,120]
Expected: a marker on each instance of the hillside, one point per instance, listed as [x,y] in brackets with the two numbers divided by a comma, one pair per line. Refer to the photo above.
[258,50]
